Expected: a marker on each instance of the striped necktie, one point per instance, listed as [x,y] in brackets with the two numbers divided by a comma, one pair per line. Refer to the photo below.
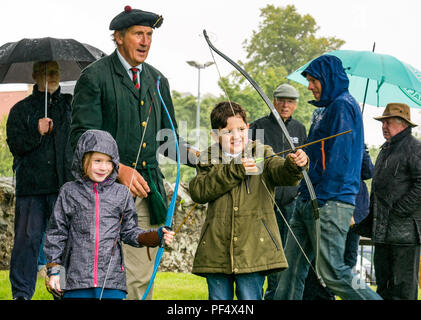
[134,78]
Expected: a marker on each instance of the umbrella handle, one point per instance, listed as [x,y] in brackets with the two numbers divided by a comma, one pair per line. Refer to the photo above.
[46,91]
[46,98]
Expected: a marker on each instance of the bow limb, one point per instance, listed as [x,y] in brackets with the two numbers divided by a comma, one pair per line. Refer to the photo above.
[286,134]
[277,116]
[171,207]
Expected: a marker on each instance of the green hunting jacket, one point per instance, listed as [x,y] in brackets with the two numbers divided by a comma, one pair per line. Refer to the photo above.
[105,98]
[240,233]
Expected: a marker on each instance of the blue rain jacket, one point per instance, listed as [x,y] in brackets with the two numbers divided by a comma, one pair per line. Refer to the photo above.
[335,166]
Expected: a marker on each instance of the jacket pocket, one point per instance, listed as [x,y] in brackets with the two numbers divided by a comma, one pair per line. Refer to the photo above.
[120,247]
[81,225]
[205,229]
[271,235]
[417,223]
[401,230]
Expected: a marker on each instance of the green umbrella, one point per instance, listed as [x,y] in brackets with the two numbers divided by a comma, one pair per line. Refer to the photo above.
[391,80]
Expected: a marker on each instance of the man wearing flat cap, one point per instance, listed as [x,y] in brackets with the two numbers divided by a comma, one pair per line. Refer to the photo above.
[395,206]
[119,94]
[285,101]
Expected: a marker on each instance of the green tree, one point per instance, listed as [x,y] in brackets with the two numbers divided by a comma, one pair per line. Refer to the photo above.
[6,158]
[185,106]
[284,41]
[374,152]
[286,38]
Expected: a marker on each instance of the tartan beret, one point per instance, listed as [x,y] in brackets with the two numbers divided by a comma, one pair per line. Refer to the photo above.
[130,17]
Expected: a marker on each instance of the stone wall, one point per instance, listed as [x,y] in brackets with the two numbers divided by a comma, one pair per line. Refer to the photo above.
[7,207]
[177,258]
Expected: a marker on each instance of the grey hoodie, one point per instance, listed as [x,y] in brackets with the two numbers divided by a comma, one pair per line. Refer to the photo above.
[86,221]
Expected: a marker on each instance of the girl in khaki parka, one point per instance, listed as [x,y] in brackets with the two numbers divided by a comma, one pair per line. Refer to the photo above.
[240,241]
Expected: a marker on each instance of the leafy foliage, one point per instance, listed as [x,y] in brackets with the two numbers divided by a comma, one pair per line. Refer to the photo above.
[6,158]
[286,38]
[284,41]
[374,152]
[185,106]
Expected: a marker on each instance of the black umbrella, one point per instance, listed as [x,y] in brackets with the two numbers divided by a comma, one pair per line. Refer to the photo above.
[17,58]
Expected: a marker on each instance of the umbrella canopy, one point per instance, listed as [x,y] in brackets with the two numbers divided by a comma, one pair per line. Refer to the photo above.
[17,58]
[391,80]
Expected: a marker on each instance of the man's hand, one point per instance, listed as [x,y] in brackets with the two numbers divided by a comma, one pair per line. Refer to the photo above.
[139,187]
[299,157]
[45,126]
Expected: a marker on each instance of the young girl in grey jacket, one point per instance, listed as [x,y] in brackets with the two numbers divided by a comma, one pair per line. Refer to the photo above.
[92,215]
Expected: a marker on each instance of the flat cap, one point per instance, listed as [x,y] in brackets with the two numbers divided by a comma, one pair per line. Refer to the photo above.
[130,17]
[286,91]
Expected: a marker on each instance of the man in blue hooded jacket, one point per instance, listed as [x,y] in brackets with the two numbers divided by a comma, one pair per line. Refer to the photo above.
[335,168]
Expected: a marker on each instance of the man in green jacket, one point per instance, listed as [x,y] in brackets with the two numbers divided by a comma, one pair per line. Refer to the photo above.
[119,94]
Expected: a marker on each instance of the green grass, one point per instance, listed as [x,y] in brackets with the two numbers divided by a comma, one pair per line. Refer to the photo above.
[168,286]
[179,286]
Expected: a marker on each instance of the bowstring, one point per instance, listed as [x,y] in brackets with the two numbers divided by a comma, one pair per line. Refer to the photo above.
[222,82]
[289,227]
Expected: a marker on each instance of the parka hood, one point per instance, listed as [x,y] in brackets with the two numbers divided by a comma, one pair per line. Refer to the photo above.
[329,71]
[95,141]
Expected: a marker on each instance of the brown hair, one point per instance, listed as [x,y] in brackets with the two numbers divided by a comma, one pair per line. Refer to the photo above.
[225,110]
[86,162]
[40,66]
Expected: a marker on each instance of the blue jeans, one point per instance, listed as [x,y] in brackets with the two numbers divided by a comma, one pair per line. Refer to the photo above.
[248,286]
[41,257]
[335,217]
[313,290]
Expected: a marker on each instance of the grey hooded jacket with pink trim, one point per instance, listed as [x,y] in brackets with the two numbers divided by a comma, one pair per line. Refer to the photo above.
[86,221]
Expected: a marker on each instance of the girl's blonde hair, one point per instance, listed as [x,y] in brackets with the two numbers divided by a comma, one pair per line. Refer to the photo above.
[86,162]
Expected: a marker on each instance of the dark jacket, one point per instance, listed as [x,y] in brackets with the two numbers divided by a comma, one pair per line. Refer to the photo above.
[240,234]
[42,163]
[395,198]
[335,165]
[274,137]
[105,98]
[86,221]
[362,201]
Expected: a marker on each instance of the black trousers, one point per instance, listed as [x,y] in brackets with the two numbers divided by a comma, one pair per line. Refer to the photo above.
[397,271]
[31,215]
